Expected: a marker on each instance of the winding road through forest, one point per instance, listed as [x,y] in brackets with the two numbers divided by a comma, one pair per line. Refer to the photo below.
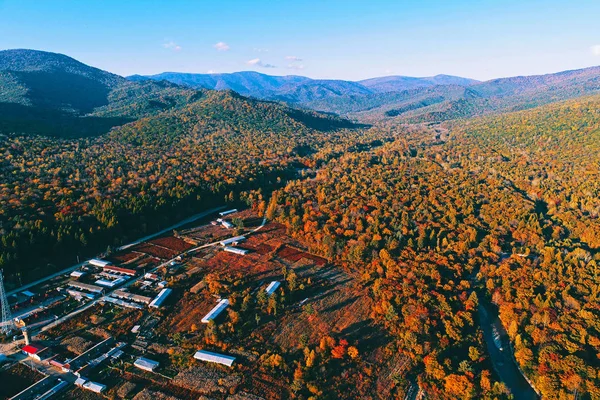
[500,352]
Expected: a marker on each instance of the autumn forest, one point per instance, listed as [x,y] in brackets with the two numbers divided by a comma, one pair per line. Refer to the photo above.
[449,213]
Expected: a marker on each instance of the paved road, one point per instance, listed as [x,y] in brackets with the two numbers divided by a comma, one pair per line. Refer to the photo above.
[54,275]
[264,222]
[44,368]
[76,266]
[503,360]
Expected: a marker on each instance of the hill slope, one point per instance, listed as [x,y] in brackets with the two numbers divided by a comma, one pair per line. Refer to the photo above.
[508,206]
[52,94]
[147,172]
[246,83]
[428,99]
[498,95]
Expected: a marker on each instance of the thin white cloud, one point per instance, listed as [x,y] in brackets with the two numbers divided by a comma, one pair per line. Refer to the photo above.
[295,66]
[256,62]
[595,50]
[221,46]
[261,50]
[172,46]
[293,58]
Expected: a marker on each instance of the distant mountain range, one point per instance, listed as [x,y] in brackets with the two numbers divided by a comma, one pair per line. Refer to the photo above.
[300,89]
[428,99]
[53,94]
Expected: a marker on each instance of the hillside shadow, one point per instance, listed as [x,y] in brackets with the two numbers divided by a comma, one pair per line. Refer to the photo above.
[63,90]
[17,118]
[321,123]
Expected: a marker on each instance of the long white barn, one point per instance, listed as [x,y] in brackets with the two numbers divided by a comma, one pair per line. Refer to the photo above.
[272,287]
[232,240]
[224,213]
[209,356]
[221,305]
[162,296]
[96,262]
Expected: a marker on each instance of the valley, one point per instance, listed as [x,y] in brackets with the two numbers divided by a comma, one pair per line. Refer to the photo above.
[424,238]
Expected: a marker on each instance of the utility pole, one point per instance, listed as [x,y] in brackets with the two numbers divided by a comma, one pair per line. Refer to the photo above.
[7,324]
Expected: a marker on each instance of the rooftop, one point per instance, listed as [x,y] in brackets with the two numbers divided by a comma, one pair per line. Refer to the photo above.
[33,348]
[209,356]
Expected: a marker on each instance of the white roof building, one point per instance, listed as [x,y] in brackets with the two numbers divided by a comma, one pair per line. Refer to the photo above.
[117,354]
[236,250]
[221,305]
[94,386]
[146,364]
[227,224]
[98,263]
[209,356]
[89,385]
[122,303]
[162,296]
[124,295]
[272,287]
[81,295]
[223,213]
[110,284]
[113,276]
[77,274]
[232,240]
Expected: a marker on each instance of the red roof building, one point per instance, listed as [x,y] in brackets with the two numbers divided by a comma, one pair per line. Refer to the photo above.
[119,270]
[36,351]
[32,349]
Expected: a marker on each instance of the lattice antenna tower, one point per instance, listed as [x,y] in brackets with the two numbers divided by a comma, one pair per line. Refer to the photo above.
[6,325]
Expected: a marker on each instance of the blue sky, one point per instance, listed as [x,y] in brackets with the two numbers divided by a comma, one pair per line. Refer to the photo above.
[322,39]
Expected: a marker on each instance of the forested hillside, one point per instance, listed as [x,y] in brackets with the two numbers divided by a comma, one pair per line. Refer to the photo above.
[388,84]
[52,94]
[70,197]
[306,92]
[407,99]
[501,210]
[548,295]
[438,223]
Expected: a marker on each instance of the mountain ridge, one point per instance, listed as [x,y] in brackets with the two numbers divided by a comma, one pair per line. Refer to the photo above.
[298,89]
[53,94]
[50,93]
[426,99]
